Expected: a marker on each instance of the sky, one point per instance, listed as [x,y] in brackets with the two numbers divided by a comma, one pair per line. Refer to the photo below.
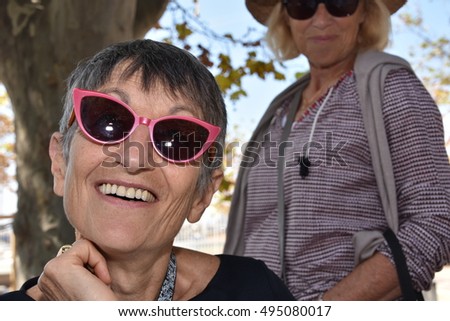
[231,16]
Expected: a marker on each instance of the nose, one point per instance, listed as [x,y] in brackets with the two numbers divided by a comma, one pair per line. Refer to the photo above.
[137,151]
[321,17]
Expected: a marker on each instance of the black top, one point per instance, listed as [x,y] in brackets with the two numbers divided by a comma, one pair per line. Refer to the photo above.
[237,279]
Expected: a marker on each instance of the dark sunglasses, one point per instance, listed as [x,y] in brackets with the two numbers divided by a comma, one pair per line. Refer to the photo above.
[107,120]
[305,9]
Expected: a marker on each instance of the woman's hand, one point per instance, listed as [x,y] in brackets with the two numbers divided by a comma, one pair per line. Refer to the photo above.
[79,273]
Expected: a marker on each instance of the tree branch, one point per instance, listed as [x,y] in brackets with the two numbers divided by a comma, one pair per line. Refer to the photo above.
[148,14]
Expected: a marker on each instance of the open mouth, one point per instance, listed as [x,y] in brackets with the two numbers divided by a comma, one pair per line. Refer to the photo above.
[127,193]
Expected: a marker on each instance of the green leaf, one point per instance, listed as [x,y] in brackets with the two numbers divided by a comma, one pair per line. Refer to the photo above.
[238,94]
[183,31]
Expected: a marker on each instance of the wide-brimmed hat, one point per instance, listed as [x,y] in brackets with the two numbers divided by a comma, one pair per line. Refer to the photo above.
[261,9]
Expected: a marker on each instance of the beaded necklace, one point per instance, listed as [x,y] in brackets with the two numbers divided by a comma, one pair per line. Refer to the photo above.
[168,286]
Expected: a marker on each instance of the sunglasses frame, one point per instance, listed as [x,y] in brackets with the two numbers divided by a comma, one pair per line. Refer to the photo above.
[79,94]
[318,2]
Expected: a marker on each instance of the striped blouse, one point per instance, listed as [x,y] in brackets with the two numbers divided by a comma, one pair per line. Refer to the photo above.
[340,197]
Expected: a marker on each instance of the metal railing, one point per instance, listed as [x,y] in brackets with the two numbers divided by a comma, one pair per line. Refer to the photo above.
[207,235]
[6,253]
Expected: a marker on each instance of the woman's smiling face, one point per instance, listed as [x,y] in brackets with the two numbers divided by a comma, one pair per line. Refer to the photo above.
[327,40]
[93,183]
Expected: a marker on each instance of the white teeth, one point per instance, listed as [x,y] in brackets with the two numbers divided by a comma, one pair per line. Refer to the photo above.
[138,193]
[127,192]
[130,192]
[146,196]
[121,191]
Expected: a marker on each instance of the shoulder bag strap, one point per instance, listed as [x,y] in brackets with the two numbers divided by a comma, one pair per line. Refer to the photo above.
[409,294]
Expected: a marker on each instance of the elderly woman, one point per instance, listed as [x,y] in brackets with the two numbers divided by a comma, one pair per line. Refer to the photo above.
[304,227]
[133,160]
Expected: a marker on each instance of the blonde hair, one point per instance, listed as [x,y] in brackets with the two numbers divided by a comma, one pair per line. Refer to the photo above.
[374,32]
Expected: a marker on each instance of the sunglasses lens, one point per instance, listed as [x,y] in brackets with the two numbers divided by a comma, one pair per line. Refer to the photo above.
[342,8]
[179,139]
[104,119]
[305,9]
[301,9]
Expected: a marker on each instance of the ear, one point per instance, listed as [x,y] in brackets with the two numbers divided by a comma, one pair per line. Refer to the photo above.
[202,201]
[58,167]
[364,13]
[363,17]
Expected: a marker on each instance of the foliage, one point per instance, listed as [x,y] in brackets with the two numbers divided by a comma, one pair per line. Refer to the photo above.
[214,50]
[434,57]
[231,162]
[6,141]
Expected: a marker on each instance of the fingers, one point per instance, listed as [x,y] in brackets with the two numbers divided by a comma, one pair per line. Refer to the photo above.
[63,249]
[93,259]
[77,235]
[66,277]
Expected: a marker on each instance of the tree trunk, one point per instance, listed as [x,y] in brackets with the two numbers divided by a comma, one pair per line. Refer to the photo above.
[41,43]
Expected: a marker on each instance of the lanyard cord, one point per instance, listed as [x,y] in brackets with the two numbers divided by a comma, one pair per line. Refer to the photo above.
[168,286]
[304,161]
[281,164]
[330,91]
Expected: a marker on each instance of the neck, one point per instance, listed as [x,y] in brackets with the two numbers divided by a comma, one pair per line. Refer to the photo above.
[324,77]
[138,277]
